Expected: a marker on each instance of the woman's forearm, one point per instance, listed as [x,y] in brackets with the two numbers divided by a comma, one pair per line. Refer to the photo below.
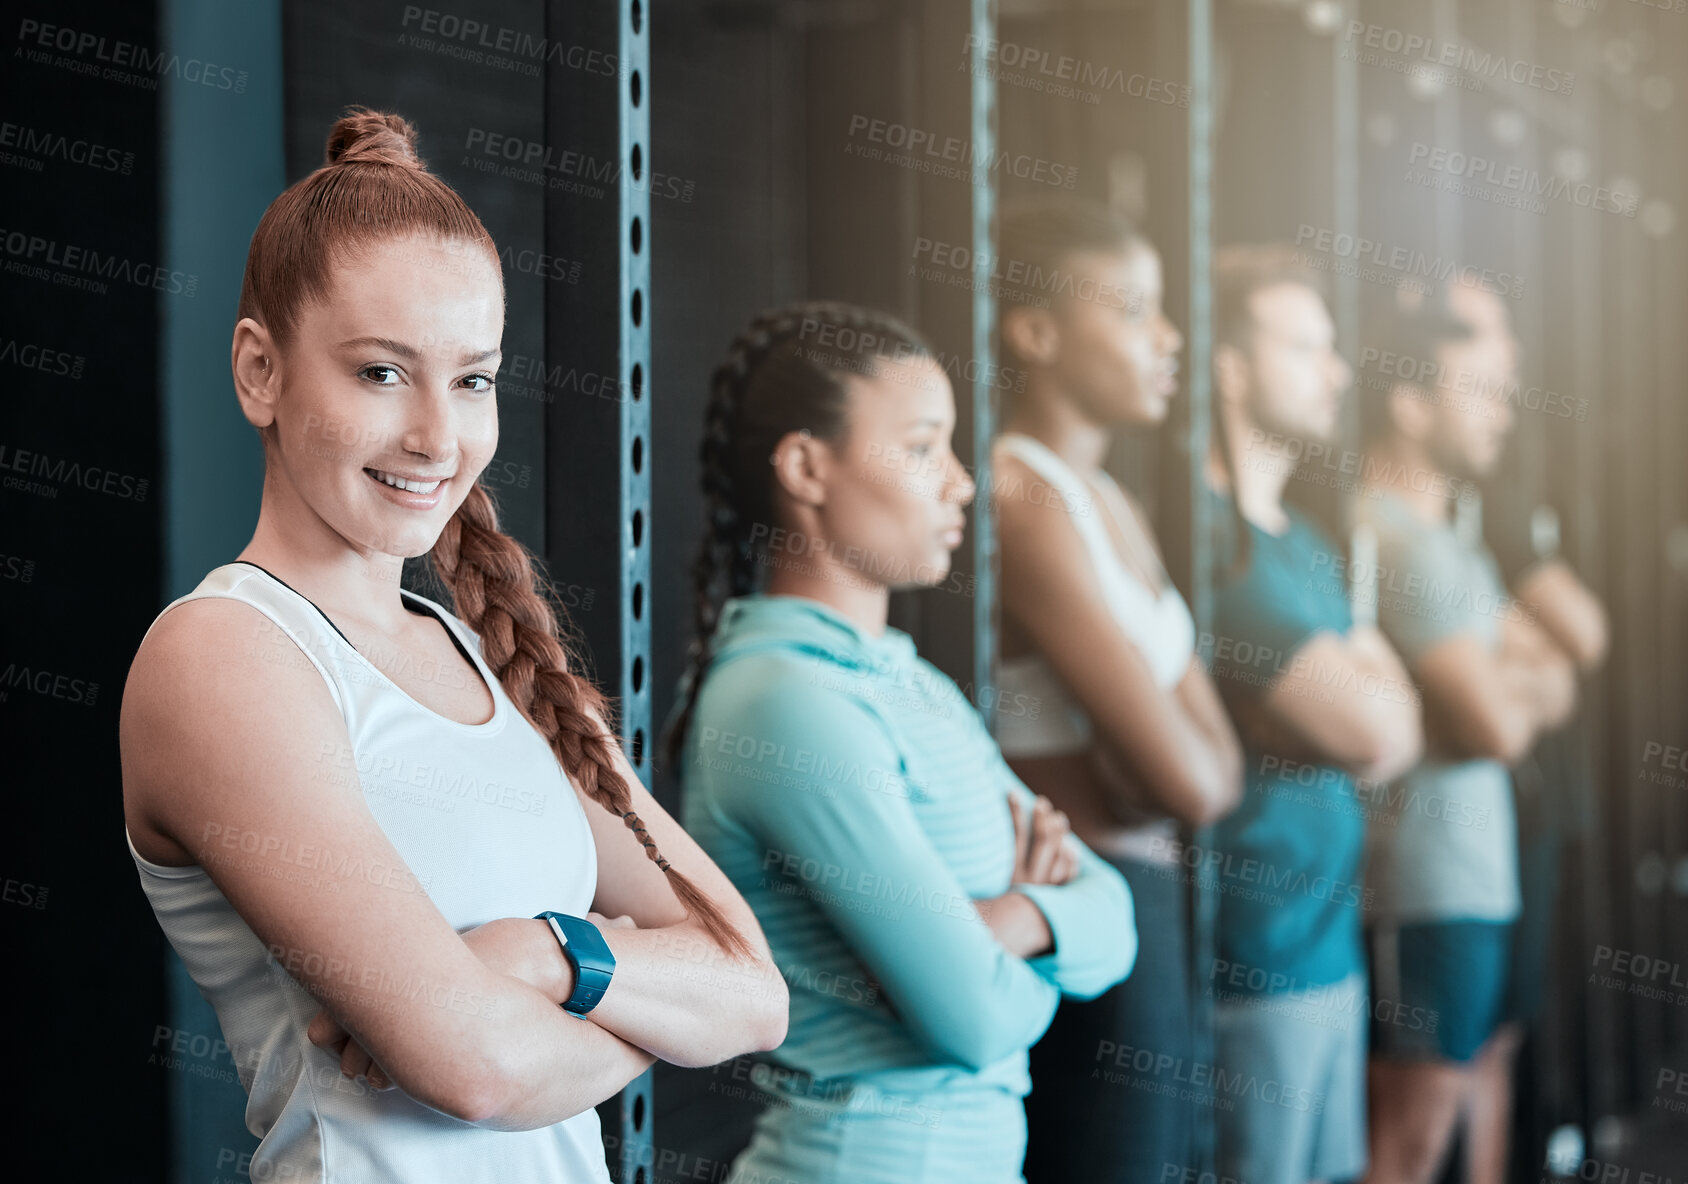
[676,994]
[1186,763]
[506,1058]
[554,1066]
[525,1062]
[1201,702]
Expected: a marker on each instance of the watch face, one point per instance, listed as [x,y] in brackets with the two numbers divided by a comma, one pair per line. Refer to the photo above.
[590,957]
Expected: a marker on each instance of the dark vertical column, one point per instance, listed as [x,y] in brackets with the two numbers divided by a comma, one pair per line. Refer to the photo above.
[1345,219]
[1198,313]
[224,164]
[1198,551]
[867,212]
[864,212]
[1444,23]
[80,580]
[733,133]
[1655,470]
[1630,488]
[1668,443]
[733,125]
[1587,553]
[1542,1052]
[1182,225]
[598,495]
[957,627]
[982,352]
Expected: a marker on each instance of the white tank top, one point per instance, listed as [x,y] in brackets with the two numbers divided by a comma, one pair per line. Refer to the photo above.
[1159,626]
[485,818]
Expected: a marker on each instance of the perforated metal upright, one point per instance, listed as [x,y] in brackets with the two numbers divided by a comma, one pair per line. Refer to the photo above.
[982,107]
[597,325]
[1204,899]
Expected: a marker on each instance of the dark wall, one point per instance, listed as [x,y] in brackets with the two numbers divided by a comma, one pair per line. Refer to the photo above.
[753,108]
[466,112]
[726,109]
[80,564]
[727,105]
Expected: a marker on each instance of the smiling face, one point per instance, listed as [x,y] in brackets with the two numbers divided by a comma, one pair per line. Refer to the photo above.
[386,413]
[894,490]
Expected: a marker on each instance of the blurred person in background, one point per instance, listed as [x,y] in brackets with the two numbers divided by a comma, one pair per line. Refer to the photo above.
[1444,862]
[927,910]
[1550,791]
[1319,702]
[1104,706]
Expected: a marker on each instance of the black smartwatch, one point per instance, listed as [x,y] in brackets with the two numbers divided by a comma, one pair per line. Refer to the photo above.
[590,956]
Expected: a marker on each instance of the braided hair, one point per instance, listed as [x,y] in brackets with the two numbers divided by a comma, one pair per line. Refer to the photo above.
[373,188]
[786,372]
[491,578]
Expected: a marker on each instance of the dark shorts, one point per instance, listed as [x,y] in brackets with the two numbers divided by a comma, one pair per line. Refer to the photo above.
[1532,947]
[1439,990]
[1092,1115]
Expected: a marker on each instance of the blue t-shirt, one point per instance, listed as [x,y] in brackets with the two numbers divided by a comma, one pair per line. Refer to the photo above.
[1287,863]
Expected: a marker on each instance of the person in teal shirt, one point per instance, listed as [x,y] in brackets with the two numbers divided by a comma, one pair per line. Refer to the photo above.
[1327,714]
[927,911]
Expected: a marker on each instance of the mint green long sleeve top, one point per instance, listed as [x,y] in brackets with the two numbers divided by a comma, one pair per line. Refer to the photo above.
[854,796]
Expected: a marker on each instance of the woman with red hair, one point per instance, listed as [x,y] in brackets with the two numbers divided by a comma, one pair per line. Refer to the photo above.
[386,837]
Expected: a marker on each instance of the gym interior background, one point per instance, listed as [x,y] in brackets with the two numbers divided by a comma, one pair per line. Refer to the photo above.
[658,171]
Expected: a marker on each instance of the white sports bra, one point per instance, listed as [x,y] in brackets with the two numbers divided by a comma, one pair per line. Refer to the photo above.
[1159,626]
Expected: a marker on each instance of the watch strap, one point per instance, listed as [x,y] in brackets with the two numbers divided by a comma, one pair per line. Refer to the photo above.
[588,953]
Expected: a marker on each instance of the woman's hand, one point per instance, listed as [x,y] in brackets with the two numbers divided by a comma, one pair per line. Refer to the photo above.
[325,1032]
[511,946]
[1043,852]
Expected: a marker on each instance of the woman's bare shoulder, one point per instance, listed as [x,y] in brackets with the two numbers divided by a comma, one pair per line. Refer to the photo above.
[214,638]
[209,673]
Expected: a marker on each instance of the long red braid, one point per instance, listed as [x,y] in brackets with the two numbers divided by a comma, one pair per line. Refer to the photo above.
[371,188]
[492,580]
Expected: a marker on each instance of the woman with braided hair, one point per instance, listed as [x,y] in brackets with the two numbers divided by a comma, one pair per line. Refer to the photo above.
[926,910]
[347,803]
[1131,738]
